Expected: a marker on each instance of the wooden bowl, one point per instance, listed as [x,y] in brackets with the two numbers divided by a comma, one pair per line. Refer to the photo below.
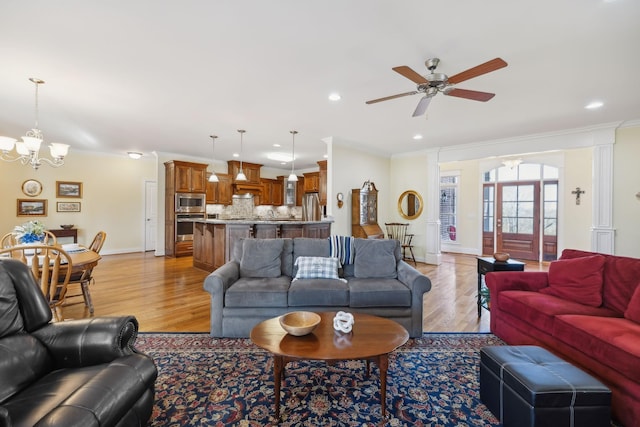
[298,323]
[501,256]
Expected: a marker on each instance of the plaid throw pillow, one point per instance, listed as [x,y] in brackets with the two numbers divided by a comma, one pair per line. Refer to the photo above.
[315,267]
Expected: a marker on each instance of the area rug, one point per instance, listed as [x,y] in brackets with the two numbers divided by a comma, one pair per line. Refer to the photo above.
[203,381]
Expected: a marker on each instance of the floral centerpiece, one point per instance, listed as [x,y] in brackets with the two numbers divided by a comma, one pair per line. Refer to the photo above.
[30,232]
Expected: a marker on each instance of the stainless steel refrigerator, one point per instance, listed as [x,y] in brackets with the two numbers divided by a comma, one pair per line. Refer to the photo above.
[311,207]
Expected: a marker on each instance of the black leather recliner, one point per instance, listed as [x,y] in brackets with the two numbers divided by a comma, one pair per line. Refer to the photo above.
[74,373]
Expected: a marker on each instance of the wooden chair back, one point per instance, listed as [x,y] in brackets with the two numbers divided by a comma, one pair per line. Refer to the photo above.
[51,268]
[98,241]
[396,230]
[8,241]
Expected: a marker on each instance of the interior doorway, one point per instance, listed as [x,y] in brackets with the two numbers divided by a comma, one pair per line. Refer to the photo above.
[150,215]
[520,212]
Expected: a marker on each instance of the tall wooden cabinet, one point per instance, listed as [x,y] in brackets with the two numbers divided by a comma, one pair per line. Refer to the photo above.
[180,177]
[364,212]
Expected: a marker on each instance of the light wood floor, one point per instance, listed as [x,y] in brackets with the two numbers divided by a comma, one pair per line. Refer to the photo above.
[166,294]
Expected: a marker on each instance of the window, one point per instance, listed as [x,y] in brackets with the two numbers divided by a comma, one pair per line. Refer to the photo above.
[449,183]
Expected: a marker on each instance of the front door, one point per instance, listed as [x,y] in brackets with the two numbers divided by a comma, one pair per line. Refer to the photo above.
[518,219]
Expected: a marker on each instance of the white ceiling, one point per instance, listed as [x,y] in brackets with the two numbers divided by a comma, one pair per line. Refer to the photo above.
[163,75]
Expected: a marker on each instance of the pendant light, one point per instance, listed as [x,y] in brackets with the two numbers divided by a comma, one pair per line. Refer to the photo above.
[213,177]
[241,176]
[293,177]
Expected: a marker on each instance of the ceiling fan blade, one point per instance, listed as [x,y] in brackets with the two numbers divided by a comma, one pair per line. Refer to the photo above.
[487,67]
[410,74]
[386,98]
[422,106]
[471,94]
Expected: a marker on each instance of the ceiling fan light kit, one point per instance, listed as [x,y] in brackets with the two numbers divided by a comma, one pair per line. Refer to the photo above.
[434,82]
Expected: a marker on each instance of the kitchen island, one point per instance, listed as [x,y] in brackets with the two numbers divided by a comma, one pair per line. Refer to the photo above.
[214,239]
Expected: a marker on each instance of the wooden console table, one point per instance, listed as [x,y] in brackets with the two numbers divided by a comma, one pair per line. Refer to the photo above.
[70,232]
[489,264]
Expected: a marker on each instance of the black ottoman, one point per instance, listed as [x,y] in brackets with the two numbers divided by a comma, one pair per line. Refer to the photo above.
[529,386]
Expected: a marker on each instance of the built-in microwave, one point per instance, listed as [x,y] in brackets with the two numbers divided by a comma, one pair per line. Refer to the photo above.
[191,202]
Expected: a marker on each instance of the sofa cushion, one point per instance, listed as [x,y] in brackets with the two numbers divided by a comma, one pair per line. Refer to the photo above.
[578,280]
[304,246]
[10,317]
[23,359]
[539,310]
[258,292]
[378,293]
[620,278]
[376,258]
[261,258]
[318,292]
[314,267]
[633,309]
[611,341]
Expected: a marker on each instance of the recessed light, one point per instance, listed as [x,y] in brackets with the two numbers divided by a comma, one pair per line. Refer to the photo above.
[335,97]
[417,136]
[593,105]
[236,155]
[276,145]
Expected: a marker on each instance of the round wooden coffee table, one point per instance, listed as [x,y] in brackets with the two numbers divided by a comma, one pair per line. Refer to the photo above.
[372,339]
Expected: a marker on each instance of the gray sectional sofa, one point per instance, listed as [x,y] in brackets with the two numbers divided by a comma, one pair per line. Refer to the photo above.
[266,278]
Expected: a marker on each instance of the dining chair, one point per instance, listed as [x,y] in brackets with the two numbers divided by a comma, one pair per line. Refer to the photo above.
[51,267]
[398,231]
[85,277]
[9,239]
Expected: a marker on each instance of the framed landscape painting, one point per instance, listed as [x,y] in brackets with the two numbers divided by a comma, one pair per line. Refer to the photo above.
[32,207]
[68,207]
[69,189]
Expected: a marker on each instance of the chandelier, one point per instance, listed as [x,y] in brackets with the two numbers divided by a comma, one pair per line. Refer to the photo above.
[29,148]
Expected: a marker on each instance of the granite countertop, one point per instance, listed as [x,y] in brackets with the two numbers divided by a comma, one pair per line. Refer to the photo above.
[263,221]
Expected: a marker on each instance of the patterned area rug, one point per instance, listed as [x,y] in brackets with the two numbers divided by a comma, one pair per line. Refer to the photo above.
[432,381]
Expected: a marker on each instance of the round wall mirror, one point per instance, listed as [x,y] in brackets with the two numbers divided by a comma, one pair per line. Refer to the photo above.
[410,204]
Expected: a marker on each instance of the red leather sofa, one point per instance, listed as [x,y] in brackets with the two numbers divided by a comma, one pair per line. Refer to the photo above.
[585,309]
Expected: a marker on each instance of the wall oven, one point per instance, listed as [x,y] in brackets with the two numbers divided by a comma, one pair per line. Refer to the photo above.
[191,202]
[185,224]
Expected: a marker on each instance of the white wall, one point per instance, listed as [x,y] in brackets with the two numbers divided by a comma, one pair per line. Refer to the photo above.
[409,172]
[112,197]
[350,168]
[626,184]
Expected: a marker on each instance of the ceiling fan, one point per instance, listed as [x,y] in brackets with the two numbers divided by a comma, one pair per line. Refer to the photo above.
[433,83]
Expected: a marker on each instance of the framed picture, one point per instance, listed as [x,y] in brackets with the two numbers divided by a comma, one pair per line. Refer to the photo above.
[31,188]
[69,189]
[68,207]
[32,207]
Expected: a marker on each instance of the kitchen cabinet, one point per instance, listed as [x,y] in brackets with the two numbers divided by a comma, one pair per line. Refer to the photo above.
[277,192]
[291,231]
[180,177]
[214,242]
[266,231]
[251,170]
[219,192]
[312,182]
[203,246]
[316,231]
[299,191]
[187,177]
[322,182]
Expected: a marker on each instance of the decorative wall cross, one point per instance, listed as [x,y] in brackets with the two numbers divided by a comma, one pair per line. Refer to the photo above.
[578,192]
